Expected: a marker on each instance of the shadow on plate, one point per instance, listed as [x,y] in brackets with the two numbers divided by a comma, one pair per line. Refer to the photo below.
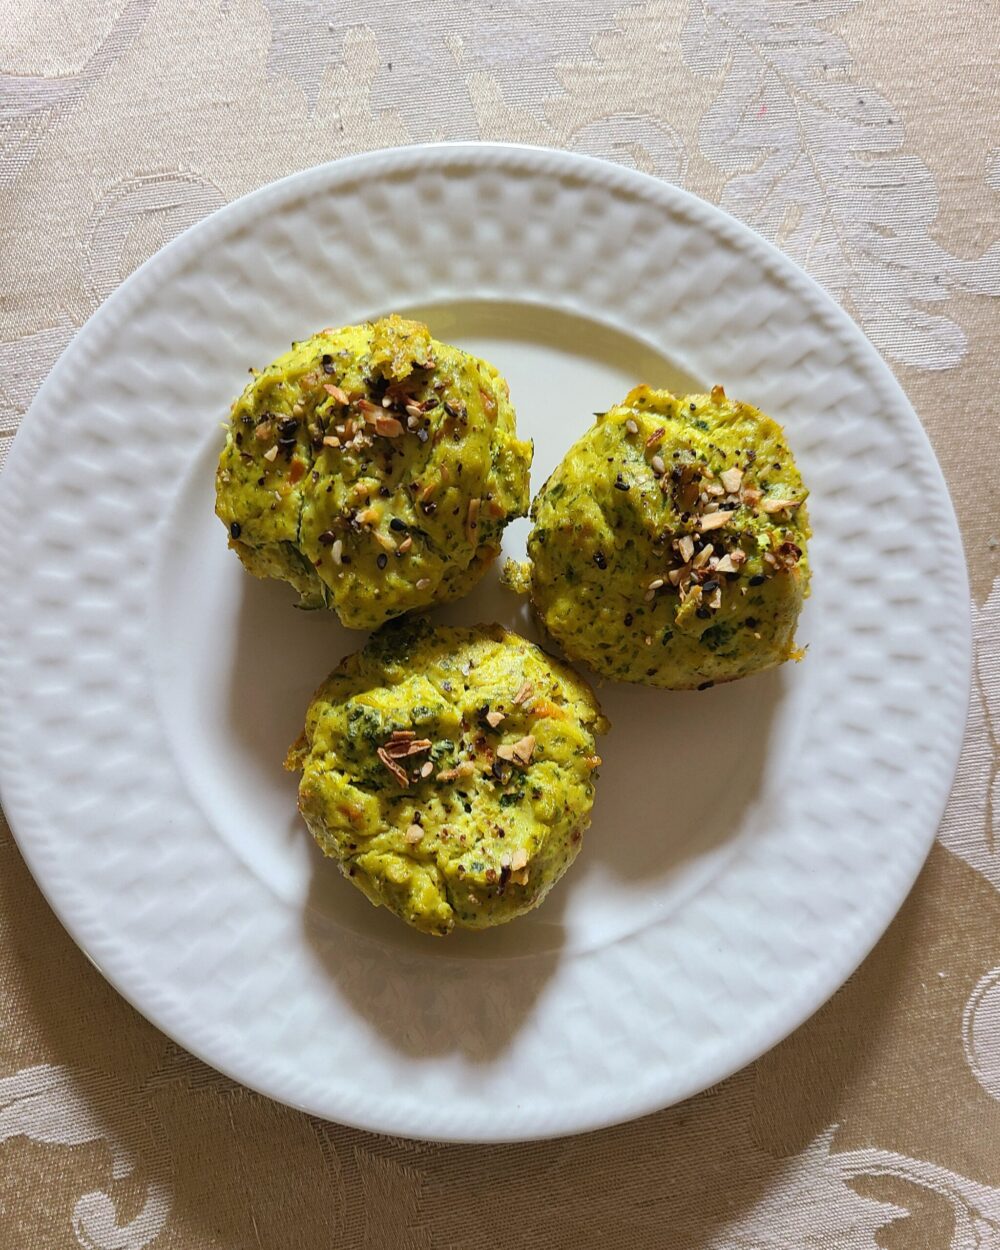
[688,768]
[470,1003]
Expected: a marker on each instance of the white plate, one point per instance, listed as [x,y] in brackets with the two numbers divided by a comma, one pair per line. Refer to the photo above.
[750,843]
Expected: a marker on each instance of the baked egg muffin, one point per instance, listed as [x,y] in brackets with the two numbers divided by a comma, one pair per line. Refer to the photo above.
[374,469]
[669,547]
[450,772]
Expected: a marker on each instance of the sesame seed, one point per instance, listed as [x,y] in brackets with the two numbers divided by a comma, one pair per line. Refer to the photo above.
[382,560]
[659,468]
[337,552]
[423,583]
[235,529]
[631,426]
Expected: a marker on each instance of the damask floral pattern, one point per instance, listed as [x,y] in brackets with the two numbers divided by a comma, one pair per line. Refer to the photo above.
[126,122]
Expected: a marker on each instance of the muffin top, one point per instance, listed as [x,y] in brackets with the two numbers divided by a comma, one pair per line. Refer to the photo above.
[669,546]
[450,771]
[374,469]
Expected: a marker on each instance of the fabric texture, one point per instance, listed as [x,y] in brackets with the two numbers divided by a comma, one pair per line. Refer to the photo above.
[864,139]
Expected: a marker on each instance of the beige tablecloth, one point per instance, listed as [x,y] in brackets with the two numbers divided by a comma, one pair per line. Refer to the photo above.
[864,138]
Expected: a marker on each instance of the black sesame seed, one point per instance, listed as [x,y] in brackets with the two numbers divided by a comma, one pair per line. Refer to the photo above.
[328,538]
[758,579]
[600,560]
[620,483]
[288,426]
[703,613]
[629,618]
[751,622]
[384,492]
[706,685]
[235,529]
[382,560]
[397,525]
[327,363]
[709,586]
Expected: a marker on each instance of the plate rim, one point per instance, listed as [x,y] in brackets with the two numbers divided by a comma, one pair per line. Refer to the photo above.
[28,828]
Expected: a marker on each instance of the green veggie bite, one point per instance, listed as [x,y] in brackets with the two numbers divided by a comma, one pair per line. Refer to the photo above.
[374,469]
[669,546]
[450,772]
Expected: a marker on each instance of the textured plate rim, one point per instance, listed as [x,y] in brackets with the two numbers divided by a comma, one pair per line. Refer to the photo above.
[28,825]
